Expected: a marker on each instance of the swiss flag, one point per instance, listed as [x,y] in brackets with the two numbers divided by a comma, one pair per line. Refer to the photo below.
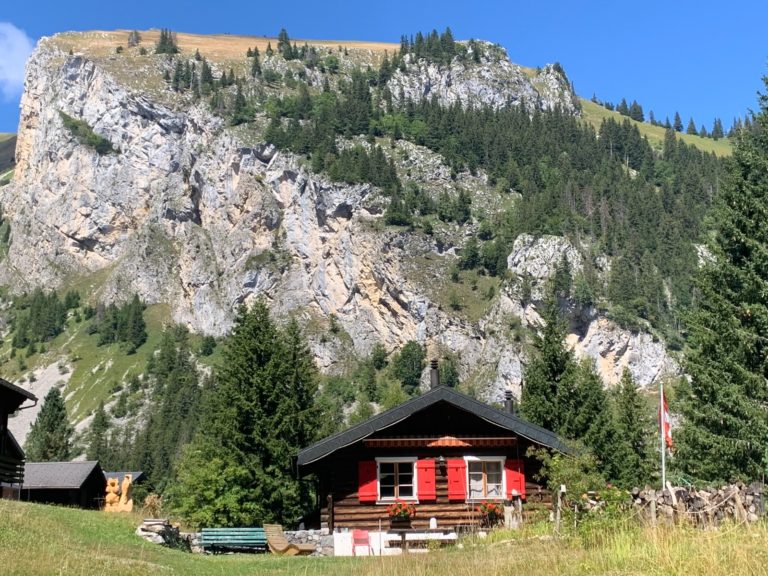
[666,426]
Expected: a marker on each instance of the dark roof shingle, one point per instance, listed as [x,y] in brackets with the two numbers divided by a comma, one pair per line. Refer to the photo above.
[57,475]
[381,421]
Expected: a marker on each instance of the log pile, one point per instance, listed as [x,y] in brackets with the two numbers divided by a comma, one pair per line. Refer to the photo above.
[701,506]
[161,531]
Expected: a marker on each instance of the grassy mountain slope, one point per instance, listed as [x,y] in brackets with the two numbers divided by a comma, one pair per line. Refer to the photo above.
[595,114]
[7,151]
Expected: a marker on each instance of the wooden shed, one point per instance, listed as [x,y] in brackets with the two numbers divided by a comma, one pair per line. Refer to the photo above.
[11,454]
[443,451]
[80,484]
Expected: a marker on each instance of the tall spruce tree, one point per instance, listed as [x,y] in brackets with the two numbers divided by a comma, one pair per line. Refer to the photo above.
[50,437]
[550,378]
[256,415]
[635,432]
[678,124]
[98,437]
[725,427]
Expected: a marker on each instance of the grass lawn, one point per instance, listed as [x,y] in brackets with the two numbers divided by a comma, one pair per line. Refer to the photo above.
[37,539]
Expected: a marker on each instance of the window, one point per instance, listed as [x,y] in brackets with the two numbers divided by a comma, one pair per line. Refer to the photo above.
[397,479]
[486,478]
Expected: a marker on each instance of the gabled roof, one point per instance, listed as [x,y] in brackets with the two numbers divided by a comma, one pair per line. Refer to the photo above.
[58,475]
[17,394]
[505,420]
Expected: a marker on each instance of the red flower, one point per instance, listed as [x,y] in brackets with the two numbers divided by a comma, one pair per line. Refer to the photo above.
[401,509]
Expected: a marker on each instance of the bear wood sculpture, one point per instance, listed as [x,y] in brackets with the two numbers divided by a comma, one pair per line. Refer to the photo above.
[112,499]
[123,502]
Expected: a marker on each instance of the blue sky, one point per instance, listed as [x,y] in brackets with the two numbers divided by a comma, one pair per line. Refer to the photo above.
[701,58]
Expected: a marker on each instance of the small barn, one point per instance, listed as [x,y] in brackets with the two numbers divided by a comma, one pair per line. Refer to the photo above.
[444,451]
[11,454]
[80,484]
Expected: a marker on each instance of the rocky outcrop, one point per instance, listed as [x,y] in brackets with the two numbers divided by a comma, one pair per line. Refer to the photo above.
[613,349]
[537,259]
[491,81]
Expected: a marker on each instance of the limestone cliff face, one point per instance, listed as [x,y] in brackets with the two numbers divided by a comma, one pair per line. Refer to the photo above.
[191,213]
[495,81]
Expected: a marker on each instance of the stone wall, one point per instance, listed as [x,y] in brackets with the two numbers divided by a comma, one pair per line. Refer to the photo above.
[322,539]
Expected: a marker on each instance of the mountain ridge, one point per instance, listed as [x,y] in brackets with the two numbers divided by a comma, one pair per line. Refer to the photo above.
[192,212]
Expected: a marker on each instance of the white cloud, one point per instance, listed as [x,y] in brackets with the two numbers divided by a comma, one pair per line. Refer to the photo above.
[15,47]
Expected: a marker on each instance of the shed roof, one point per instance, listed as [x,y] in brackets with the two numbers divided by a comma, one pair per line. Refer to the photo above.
[500,418]
[58,475]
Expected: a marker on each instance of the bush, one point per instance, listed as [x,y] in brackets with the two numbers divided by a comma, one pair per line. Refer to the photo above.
[85,134]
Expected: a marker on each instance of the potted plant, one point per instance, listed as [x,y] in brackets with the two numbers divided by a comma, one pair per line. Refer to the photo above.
[491,514]
[400,514]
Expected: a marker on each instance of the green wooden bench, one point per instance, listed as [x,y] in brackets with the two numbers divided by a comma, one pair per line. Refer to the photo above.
[218,539]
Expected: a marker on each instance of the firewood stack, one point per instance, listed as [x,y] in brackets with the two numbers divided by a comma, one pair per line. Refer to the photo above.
[709,506]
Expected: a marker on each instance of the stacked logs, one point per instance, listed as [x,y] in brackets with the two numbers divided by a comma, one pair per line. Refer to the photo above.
[701,506]
[161,531]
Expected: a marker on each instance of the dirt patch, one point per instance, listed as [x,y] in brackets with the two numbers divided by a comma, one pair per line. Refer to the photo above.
[45,379]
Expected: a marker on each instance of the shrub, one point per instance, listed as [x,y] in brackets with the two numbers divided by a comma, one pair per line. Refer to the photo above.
[85,134]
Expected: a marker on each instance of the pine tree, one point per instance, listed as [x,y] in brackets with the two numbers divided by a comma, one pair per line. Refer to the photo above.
[725,427]
[717,129]
[691,128]
[678,125]
[256,66]
[408,364]
[589,418]
[136,327]
[259,412]
[50,437]
[635,432]
[98,447]
[134,38]
[167,43]
[550,377]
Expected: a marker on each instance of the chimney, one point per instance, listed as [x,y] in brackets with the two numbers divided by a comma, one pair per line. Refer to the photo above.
[509,402]
[434,374]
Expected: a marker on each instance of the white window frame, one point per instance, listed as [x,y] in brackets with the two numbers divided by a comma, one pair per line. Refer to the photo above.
[502,460]
[395,459]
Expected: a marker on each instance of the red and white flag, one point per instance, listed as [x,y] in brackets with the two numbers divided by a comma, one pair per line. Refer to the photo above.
[666,425]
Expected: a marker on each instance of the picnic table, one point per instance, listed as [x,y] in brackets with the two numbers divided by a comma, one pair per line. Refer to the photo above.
[442,535]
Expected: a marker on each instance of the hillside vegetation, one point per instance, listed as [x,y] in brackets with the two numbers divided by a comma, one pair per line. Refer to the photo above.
[42,540]
[595,114]
[7,152]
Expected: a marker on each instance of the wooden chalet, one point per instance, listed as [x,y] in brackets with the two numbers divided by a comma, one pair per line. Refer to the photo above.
[443,451]
[11,454]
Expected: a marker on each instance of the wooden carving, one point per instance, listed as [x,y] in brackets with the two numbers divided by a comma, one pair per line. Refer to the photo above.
[123,502]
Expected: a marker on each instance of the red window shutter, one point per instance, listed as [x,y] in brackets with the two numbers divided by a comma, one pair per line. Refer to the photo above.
[367,490]
[515,477]
[457,480]
[425,477]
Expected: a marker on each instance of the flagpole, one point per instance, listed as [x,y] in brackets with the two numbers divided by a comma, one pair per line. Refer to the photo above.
[661,435]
